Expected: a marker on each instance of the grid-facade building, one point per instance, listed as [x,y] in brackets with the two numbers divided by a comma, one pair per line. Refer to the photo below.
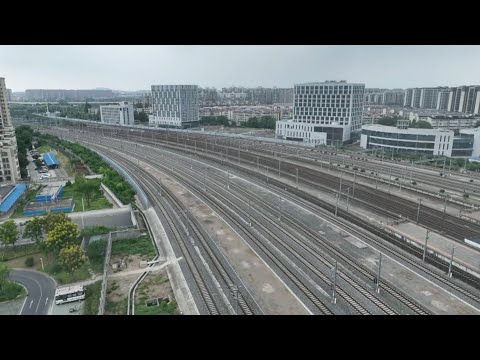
[331,108]
[9,166]
[174,105]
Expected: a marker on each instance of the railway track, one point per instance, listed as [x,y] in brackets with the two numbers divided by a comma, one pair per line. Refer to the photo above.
[361,289]
[294,278]
[246,308]
[450,284]
[448,225]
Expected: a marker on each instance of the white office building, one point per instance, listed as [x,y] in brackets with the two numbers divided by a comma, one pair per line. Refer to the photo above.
[121,114]
[430,142]
[9,166]
[174,106]
[327,113]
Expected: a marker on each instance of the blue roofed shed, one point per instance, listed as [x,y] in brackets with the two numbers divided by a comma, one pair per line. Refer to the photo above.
[12,198]
[51,160]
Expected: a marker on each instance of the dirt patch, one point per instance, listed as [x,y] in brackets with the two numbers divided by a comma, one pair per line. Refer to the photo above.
[125,263]
[117,288]
[155,285]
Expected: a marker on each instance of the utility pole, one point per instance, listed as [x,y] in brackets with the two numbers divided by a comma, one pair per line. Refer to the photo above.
[204,180]
[160,182]
[418,211]
[249,213]
[280,208]
[279,162]
[445,207]
[377,287]
[258,166]
[390,180]
[235,296]
[354,179]
[228,179]
[425,246]
[334,283]
[451,261]
[266,169]
[450,167]
[297,177]
[376,182]
[340,186]
[336,204]
[348,197]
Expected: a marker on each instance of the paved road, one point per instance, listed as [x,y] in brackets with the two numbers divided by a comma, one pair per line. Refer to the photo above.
[41,291]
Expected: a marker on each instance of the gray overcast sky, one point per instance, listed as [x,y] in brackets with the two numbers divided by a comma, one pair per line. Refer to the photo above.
[138,67]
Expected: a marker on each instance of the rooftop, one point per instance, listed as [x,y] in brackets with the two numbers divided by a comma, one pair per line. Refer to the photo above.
[12,198]
[68,289]
[50,159]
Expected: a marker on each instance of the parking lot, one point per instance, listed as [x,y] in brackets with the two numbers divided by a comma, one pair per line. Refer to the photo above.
[46,175]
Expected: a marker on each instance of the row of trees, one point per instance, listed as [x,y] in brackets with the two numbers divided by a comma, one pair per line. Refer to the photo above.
[140,116]
[24,136]
[392,121]
[264,122]
[60,237]
[215,120]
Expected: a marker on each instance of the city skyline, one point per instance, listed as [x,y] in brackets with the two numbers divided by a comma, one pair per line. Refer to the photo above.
[133,68]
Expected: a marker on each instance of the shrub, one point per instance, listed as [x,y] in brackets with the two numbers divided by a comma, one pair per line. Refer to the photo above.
[471,180]
[56,268]
[29,262]
[362,170]
[465,195]
[442,191]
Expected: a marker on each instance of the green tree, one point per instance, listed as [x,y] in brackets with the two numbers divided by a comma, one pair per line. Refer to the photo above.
[388,121]
[9,233]
[34,229]
[3,273]
[52,219]
[71,257]
[63,234]
[87,188]
[421,124]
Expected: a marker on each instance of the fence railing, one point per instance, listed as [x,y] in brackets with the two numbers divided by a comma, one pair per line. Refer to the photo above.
[103,292]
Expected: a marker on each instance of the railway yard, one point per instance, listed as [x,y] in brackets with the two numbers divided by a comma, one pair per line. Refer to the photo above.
[252,227]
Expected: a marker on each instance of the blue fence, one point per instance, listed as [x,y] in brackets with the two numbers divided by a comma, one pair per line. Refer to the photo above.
[48,197]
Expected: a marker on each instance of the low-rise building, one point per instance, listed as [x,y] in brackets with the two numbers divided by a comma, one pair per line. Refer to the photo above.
[121,114]
[432,142]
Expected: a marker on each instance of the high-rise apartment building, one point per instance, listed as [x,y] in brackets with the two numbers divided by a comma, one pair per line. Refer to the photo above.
[174,105]
[324,113]
[121,114]
[9,167]
[462,99]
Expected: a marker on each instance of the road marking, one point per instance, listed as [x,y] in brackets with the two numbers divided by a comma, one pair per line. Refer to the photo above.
[31,302]
[46,301]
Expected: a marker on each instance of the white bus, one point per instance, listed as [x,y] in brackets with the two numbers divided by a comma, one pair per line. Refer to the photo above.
[69,294]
